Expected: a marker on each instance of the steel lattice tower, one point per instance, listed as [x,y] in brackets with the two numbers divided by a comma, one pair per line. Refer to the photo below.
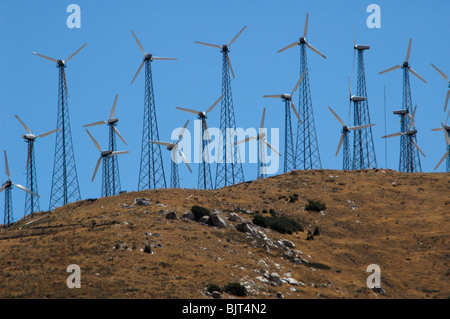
[346,158]
[8,217]
[307,149]
[204,170]
[111,186]
[174,176]
[31,203]
[151,173]
[409,154]
[229,167]
[363,147]
[289,153]
[65,188]
[261,160]
[409,150]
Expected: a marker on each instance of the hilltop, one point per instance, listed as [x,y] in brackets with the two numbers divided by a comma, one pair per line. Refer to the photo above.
[399,221]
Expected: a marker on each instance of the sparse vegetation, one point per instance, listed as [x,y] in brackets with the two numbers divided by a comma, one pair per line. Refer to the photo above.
[315,205]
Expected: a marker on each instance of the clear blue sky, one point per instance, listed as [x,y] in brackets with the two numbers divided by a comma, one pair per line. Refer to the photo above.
[28,84]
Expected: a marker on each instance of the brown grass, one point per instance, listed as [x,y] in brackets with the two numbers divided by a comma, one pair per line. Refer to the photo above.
[396,220]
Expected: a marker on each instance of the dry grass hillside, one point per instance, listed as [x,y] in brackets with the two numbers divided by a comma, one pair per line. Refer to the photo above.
[396,220]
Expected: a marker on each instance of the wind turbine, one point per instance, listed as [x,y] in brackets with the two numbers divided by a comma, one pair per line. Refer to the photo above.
[302,40]
[113,162]
[410,135]
[31,203]
[405,64]
[446,131]
[105,156]
[173,148]
[7,186]
[345,139]
[448,81]
[204,172]
[261,138]
[65,188]
[289,153]
[229,170]
[151,171]
[409,159]
[307,154]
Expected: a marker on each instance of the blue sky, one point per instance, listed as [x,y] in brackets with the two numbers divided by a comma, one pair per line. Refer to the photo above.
[106,66]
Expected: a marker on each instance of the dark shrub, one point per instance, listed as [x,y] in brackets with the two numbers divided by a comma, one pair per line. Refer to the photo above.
[273,212]
[147,249]
[316,231]
[236,289]
[260,220]
[199,211]
[293,198]
[280,224]
[315,206]
[212,287]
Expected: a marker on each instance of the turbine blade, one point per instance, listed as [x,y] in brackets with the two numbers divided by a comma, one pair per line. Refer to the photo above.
[161,58]
[413,72]
[2,188]
[236,36]
[25,189]
[214,104]
[349,87]
[161,143]
[446,100]
[409,50]
[360,127]
[23,124]
[262,119]
[45,57]
[206,130]
[354,36]
[184,159]
[447,138]
[446,120]
[7,166]
[93,140]
[119,153]
[295,112]
[305,30]
[391,69]
[96,168]
[278,96]
[289,46]
[95,123]
[315,50]
[417,146]
[442,159]
[139,70]
[48,133]
[250,138]
[393,135]
[139,43]
[272,148]
[229,64]
[337,117]
[182,131]
[188,110]
[73,54]
[340,143]
[113,110]
[209,44]
[119,135]
[298,83]
[440,72]
[411,118]
[437,129]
